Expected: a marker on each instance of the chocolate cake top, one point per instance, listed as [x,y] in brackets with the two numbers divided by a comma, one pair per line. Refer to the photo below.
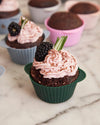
[43,3]
[83,8]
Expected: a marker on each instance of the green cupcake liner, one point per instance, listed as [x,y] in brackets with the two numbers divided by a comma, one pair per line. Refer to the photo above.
[55,94]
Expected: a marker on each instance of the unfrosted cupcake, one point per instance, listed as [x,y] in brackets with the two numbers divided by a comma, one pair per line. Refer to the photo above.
[89,12]
[41,9]
[83,8]
[9,11]
[23,39]
[54,72]
[65,23]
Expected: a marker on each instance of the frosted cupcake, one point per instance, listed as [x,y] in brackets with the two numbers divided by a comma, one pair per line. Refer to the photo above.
[22,40]
[9,11]
[54,72]
[26,34]
[58,68]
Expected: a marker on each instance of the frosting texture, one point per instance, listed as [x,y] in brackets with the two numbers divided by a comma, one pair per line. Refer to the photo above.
[57,64]
[8,5]
[29,33]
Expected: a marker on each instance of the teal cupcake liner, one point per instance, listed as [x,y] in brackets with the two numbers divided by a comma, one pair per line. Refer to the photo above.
[55,94]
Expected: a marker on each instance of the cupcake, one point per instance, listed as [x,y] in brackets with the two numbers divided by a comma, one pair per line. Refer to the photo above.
[24,35]
[54,72]
[65,23]
[9,11]
[87,11]
[41,9]
[23,39]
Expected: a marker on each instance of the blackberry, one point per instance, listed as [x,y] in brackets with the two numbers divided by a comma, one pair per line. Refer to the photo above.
[14,29]
[42,51]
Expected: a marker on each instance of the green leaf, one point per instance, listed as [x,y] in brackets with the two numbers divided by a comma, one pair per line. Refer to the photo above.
[23,22]
[57,41]
[60,43]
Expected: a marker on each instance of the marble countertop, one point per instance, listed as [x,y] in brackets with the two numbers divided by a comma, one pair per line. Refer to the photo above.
[19,104]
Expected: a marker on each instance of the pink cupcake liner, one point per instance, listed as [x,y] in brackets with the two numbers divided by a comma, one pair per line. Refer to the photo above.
[73,35]
[90,20]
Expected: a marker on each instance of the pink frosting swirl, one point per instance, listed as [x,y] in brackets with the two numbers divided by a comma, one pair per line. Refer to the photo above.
[8,5]
[57,64]
[30,33]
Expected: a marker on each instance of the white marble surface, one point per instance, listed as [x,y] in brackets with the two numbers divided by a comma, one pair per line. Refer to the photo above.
[19,104]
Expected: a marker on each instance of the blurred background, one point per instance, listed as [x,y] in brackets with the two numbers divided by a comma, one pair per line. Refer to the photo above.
[24,7]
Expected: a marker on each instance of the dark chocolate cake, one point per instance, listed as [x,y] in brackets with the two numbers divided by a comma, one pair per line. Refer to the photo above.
[83,8]
[8,14]
[64,21]
[53,82]
[43,3]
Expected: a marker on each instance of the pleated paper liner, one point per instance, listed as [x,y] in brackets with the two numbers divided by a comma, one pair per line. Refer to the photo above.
[55,94]
[22,56]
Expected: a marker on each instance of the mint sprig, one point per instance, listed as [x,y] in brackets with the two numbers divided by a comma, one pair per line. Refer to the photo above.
[60,43]
[23,22]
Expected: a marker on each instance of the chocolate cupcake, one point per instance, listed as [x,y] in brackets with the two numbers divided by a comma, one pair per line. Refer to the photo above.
[57,68]
[54,75]
[22,40]
[24,35]
[65,24]
[89,12]
[41,9]
[9,11]
[54,72]
[64,21]
[83,8]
